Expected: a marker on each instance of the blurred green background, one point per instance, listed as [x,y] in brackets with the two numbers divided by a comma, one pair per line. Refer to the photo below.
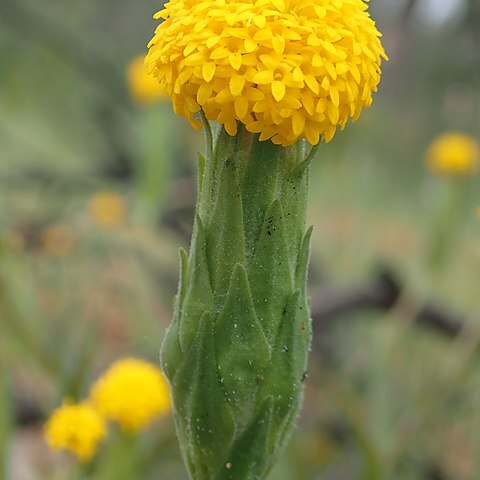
[97,194]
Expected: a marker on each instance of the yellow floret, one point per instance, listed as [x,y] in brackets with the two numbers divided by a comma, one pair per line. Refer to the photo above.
[286,69]
[77,428]
[108,209]
[133,393]
[453,154]
[144,88]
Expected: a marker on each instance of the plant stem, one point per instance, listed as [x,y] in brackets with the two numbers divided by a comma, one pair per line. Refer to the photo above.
[236,350]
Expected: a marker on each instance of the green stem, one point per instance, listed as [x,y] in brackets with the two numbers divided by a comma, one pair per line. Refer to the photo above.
[447,224]
[156,150]
[120,458]
[236,351]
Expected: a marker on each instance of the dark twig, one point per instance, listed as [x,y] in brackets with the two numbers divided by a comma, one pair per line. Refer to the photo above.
[329,305]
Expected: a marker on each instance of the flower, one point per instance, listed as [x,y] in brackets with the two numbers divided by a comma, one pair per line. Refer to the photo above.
[108,209]
[287,69]
[133,393]
[58,240]
[77,428]
[453,154]
[144,88]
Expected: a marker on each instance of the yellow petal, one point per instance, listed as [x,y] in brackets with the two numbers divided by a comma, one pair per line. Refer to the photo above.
[212,41]
[235,60]
[312,83]
[321,105]
[259,20]
[189,49]
[279,4]
[312,133]
[208,71]
[231,127]
[263,78]
[237,82]
[333,113]
[298,122]
[250,45]
[278,90]
[298,75]
[342,68]
[329,134]
[241,107]
[204,93]
[278,44]
[317,60]
[334,96]
[331,70]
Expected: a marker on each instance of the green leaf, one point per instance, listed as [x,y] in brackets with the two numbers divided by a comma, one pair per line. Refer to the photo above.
[260,189]
[201,163]
[270,275]
[294,204]
[302,264]
[182,281]
[289,358]
[206,429]
[243,353]
[224,150]
[198,296]
[251,456]
[171,353]
[225,239]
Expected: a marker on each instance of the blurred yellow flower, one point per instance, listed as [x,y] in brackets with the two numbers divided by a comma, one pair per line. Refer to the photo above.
[453,154]
[58,240]
[144,88]
[108,209]
[133,393]
[77,428]
[286,69]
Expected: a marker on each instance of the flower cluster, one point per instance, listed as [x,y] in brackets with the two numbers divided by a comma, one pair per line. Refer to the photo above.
[132,393]
[453,154]
[76,427]
[107,209]
[286,69]
[143,87]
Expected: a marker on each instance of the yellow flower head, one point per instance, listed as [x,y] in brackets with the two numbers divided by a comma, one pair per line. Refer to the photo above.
[287,69]
[133,393]
[144,88]
[77,428]
[108,209]
[453,154]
